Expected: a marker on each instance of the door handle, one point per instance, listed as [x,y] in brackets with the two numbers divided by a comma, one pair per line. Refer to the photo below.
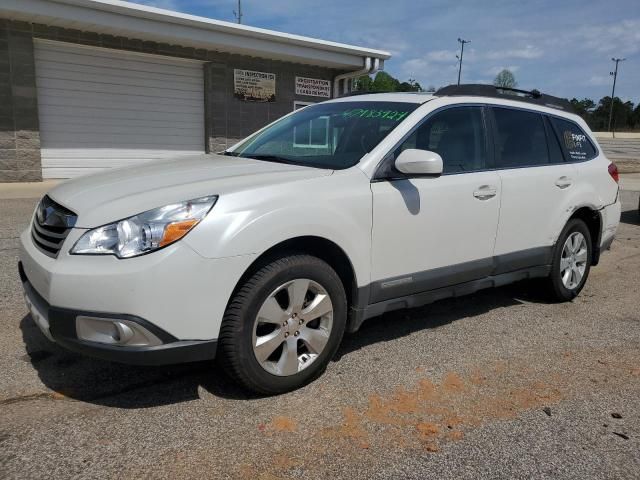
[485,192]
[563,182]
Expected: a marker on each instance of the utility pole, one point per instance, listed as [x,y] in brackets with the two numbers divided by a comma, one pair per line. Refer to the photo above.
[238,14]
[613,91]
[462,42]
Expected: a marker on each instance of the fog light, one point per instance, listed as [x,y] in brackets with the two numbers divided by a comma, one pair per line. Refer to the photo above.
[114,331]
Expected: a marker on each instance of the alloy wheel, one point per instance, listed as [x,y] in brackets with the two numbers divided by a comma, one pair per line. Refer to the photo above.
[573,261]
[292,327]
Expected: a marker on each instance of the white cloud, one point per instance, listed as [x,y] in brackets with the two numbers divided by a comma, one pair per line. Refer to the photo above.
[599,80]
[527,52]
[496,70]
[442,55]
[621,38]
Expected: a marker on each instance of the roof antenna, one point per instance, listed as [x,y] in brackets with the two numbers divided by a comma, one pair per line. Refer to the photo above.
[238,14]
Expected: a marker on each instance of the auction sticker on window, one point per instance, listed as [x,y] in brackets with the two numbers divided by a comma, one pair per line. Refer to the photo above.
[393,115]
[254,86]
[313,87]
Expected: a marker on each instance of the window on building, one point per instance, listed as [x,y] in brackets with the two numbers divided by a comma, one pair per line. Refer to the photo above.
[521,139]
[456,134]
[312,134]
[575,142]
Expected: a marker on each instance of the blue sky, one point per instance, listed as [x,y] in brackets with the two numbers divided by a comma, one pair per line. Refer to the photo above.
[559,47]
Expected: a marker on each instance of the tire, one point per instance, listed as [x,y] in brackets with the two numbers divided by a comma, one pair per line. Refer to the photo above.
[266,311]
[560,288]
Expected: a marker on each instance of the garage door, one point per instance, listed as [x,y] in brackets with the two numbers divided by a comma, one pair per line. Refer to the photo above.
[102,108]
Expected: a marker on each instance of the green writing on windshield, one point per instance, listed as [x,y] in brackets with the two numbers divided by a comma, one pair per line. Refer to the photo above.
[393,115]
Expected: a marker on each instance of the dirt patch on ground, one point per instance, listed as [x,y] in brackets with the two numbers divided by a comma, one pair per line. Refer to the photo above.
[430,413]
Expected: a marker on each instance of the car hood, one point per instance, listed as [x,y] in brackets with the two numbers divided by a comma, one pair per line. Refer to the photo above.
[119,193]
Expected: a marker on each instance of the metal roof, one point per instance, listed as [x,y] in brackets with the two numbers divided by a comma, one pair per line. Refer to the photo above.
[132,20]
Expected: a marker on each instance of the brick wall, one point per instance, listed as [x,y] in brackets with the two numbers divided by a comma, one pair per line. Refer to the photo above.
[227,118]
[19,135]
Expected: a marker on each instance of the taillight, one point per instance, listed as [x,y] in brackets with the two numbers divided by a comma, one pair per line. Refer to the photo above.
[613,171]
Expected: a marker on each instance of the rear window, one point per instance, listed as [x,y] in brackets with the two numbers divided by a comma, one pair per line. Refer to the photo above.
[575,142]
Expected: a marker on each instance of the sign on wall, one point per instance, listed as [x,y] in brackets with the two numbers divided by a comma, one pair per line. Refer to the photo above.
[313,87]
[254,86]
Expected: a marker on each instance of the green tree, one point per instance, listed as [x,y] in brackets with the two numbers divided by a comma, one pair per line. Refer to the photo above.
[410,86]
[636,117]
[623,117]
[505,79]
[383,82]
[584,108]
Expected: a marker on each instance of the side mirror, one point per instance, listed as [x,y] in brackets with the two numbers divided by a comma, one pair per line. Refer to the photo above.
[419,163]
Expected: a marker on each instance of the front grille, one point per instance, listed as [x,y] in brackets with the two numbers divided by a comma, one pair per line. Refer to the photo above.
[51,225]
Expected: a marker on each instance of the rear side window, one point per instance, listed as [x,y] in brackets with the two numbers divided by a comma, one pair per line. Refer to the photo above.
[575,142]
[456,134]
[520,138]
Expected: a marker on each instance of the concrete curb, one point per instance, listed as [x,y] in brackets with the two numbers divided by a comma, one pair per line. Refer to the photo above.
[26,190]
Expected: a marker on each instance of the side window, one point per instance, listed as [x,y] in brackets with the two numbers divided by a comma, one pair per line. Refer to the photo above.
[575,142]
[520,138]
[456,134]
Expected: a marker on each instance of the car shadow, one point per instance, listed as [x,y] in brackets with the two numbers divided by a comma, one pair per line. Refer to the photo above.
[110,384]
[400,323]
[96,381]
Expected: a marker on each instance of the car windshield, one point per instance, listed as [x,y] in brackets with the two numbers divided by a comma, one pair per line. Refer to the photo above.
[327,135]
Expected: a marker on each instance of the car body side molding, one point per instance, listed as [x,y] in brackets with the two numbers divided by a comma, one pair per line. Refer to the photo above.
[421,288]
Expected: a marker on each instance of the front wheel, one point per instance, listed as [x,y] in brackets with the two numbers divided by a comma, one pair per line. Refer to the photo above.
[571,261]
[283,325]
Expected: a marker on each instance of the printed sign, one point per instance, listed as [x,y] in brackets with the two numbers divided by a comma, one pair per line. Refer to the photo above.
[574,143]
[313,87]
[254,86]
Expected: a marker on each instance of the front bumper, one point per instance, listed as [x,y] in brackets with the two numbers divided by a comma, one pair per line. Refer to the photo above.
[176,294]
[175,288]
[59,326]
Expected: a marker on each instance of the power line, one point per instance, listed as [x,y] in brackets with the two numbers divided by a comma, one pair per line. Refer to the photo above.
[462,42]
[613,90]
[238,14]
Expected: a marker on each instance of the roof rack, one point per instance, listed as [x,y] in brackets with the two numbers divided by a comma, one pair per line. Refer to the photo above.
[532,96]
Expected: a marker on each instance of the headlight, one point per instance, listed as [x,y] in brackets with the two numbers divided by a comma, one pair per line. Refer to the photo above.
[145,232]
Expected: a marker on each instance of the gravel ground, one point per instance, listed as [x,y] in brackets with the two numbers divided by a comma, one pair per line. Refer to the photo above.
[500,384]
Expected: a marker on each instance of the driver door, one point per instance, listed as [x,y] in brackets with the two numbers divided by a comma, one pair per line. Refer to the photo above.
[430,233]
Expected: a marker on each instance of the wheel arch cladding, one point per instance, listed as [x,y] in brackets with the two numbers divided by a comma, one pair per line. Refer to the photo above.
[320,247]
[593,220]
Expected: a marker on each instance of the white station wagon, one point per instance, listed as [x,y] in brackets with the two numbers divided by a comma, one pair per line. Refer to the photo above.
[265,255]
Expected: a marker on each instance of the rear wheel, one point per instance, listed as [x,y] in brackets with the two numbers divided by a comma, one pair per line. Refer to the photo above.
[283,325]
[571,262]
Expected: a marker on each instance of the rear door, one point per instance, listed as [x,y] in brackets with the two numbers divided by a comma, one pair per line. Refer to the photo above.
[536,187]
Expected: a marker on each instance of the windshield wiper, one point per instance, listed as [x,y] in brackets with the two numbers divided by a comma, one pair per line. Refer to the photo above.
[271,158]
